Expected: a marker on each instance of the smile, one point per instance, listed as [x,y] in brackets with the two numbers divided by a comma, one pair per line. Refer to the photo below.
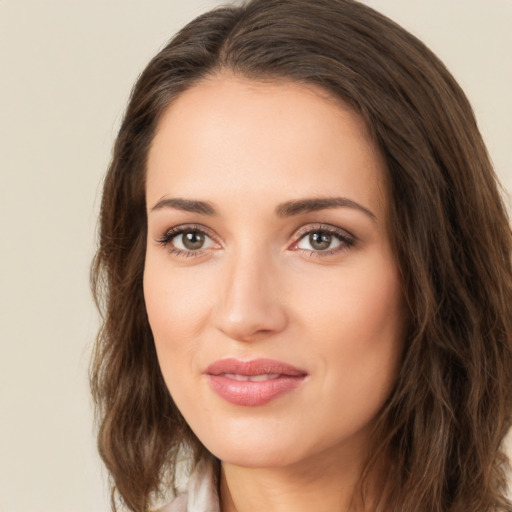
[253,383]
[252,378]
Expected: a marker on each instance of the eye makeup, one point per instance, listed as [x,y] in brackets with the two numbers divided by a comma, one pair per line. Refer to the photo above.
[195,240]
[320,235]
[188,240]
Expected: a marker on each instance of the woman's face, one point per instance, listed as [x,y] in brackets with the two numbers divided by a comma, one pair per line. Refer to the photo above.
[270,284]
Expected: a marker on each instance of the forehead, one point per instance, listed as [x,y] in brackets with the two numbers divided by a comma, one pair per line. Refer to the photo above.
[230,135]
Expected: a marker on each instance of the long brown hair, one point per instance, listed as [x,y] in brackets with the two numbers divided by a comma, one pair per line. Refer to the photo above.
[446,418]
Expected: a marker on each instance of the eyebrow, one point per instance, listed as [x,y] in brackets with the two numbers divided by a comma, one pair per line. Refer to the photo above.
[314,204]
[287,209]
[186,205]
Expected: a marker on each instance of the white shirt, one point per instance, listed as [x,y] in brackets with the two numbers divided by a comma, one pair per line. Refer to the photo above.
[201,495]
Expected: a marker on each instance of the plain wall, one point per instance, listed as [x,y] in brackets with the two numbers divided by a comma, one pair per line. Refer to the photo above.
[66,70]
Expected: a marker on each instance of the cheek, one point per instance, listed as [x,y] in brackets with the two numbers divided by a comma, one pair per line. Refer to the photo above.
[178,302]
[173,317]
[363,303]
[356,322]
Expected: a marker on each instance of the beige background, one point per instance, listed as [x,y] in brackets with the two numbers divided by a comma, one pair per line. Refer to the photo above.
[66,69]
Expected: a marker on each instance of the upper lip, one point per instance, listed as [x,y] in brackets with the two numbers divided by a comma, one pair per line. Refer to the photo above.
[253,367]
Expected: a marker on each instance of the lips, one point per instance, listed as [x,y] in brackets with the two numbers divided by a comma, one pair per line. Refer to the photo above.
[253,383]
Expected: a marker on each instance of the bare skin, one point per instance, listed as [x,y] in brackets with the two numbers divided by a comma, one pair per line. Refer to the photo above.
[251,489]
[268,239]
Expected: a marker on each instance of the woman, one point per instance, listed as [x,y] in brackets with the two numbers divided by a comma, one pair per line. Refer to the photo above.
[304,268]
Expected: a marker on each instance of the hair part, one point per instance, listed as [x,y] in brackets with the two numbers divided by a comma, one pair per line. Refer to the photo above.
[445,421]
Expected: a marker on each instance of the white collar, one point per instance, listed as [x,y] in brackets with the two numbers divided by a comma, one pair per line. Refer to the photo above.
[201,495]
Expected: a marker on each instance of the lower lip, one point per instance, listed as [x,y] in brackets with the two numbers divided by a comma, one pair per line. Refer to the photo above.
[249,393]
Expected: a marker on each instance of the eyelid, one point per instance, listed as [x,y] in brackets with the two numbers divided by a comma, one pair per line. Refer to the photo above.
[169,234]
[329,228]
[347,238]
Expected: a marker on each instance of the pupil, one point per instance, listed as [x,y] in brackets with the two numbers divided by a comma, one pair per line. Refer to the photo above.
[193,240]
[320,241]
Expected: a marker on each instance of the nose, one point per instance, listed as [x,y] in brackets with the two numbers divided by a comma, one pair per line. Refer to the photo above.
[249,305]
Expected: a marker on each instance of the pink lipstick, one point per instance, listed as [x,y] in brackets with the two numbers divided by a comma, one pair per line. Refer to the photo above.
[252,383]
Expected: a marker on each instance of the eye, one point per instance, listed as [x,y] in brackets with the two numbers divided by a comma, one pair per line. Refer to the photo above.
[187,241]
[191,241]
[319,241]
[323,240]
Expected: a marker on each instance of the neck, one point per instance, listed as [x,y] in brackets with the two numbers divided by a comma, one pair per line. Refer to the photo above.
[323,484]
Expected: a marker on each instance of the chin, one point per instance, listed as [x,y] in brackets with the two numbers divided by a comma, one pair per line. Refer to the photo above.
[252,447]
[257,456]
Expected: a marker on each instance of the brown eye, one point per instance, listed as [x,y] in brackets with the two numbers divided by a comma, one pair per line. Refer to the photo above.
[188,241]
[320,241]
[192,240]
[324,240]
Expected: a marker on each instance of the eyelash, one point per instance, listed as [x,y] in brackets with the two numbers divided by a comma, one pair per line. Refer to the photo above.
[172,233]
[347,240]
